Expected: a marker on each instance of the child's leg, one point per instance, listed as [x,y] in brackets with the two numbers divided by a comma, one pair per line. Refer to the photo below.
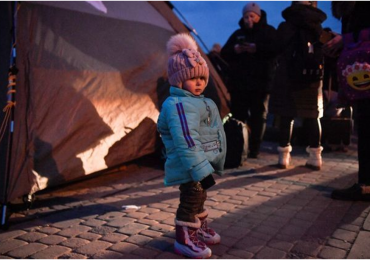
[206,234]
[192,197]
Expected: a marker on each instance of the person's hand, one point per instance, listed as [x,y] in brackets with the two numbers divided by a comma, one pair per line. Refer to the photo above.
[250,47]
[333,47]
[239,48]
[245,47]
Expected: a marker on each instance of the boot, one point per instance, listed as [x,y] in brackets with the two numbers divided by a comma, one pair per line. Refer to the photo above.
[206,234]
[315,160]
[187,242]
[284,156]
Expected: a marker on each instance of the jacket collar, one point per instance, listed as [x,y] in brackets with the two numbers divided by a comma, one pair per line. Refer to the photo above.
[178,92]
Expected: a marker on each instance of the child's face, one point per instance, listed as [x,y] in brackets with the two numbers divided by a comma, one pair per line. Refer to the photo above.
[195,85]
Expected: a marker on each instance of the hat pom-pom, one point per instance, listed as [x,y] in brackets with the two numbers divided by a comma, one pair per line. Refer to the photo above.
[179,42]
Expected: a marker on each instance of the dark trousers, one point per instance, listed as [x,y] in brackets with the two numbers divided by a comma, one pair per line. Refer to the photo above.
[192,198]
[251,107]
[286,130]
[363,146]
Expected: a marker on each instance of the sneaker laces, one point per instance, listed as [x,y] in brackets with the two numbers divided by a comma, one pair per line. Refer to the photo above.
[194,239]
[204,227]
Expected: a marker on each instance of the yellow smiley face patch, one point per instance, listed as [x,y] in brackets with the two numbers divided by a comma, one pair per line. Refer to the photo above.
[358,76]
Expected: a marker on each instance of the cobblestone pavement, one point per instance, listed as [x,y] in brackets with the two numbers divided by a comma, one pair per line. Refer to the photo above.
[259,210]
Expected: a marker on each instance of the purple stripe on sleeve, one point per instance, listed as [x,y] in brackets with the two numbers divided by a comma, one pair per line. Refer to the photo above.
[184,126]
[187,127]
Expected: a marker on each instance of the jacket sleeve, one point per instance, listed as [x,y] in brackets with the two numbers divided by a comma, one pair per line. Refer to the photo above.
[183,120]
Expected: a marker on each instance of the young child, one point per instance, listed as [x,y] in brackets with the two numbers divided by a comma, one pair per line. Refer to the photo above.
[193,134]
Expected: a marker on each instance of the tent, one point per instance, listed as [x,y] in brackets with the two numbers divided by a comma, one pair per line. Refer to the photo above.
[91,80]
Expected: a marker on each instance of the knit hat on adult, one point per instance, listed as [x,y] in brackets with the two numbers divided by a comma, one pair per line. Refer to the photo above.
[252,7]
[185,62]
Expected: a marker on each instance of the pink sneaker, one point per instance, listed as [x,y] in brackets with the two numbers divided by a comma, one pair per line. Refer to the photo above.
[206,234]
[187,242]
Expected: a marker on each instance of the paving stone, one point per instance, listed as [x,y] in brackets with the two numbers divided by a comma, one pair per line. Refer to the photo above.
[250,244]
[281,245]
[114,237]
[11,234]
[111,216]
[145,253]
[366,225]
[345,235]
[161,243]
[51,252]
[306,248]
[32,236]
[49,230]
[94,222]
[133,228]
[361,246]
[339,243]
[149,210]
[151,233]
[103,230]
[74,242]
[75,231]
[52,240]
[138,240]
[235,232]
[123,247]
[162,227]
[10,244]
[270,253]
[169,255]
[26,250]
[92,248]
[67,223]
[239,253]
[219,249]
[332,253]
[158,216]
[107,254]
[120,222]
[136,215]
[72,256]
[89,236]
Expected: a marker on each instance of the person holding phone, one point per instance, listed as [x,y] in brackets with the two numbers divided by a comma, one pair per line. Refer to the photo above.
[250,53]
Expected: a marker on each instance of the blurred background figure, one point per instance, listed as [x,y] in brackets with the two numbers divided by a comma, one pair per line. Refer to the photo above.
[219,63]
[297,90]
[250,53]
[355,18]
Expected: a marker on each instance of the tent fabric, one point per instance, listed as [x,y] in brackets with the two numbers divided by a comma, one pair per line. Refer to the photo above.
[90,86]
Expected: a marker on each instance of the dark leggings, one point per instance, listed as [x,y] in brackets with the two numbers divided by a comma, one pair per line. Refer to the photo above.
[286,130]
[192,198]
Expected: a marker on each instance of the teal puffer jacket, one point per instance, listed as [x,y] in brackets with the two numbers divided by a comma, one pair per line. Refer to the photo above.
[192,132]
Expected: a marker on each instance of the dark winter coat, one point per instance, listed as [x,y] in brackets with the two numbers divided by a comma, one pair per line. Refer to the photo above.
[289,98]
[251,71]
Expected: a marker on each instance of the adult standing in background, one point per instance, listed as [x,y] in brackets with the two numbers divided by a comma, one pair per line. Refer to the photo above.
[250,54]
[355,17]
[297,92]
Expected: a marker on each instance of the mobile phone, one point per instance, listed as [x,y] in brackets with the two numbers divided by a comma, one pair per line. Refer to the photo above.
[207,182]
[240,39]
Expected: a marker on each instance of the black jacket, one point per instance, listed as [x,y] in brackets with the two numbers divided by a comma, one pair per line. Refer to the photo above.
[252,71]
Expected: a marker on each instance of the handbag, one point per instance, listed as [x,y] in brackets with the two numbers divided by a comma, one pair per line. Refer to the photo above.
[353,68]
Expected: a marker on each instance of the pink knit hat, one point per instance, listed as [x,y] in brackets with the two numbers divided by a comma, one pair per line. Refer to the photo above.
[185,61]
